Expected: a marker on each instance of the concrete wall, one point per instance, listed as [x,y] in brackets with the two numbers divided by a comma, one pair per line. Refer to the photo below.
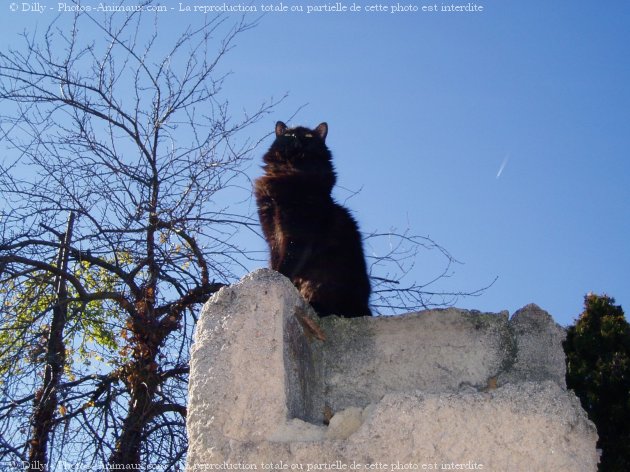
[273,387]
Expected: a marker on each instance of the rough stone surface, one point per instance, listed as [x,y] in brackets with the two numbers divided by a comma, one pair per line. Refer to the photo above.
[443,389]
[432,351]
[538,353]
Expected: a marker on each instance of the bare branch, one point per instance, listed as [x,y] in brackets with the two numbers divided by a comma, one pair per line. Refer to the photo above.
[392,258]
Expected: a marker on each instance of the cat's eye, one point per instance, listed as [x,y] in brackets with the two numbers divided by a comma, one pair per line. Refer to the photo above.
[308,135]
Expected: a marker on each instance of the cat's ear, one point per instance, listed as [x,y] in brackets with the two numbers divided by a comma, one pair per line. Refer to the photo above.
[322,130]
[281,128]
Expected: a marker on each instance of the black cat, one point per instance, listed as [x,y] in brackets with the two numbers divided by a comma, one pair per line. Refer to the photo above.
[313,241]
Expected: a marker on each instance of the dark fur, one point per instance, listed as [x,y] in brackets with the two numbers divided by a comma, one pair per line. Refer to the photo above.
[313,241]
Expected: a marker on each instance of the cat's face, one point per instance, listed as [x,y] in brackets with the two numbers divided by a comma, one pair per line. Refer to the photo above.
[300,132]
[300,149]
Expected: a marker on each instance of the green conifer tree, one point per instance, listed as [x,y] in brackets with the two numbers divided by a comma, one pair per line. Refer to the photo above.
[598,370]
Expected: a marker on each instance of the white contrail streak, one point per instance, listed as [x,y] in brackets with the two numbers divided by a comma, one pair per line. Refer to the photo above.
[503,164]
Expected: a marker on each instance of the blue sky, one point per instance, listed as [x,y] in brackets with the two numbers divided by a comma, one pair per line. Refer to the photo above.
[424,109]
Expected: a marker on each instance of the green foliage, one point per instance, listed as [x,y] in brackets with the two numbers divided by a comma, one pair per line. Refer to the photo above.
[22,325]
[92,331]
[598,370]
[100,321]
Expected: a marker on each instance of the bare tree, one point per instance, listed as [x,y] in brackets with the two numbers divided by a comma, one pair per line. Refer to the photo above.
[134,139]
